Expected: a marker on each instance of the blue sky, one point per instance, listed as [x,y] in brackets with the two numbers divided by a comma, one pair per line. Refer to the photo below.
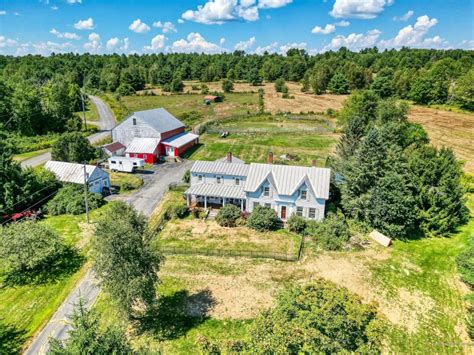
[152,26]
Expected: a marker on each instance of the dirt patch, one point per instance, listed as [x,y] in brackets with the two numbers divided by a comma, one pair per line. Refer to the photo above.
[449,129]
[87,231]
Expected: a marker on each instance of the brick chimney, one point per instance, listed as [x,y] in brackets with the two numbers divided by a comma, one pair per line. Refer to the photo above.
[229,157]
[270,158]
[313,162]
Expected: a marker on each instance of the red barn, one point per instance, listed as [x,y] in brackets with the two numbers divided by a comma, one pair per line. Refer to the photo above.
[153,133]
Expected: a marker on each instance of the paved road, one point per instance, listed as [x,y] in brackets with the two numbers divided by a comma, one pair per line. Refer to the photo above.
[106,123]
[155,185]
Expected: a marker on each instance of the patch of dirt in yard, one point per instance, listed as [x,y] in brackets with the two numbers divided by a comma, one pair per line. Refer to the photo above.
[87,231]
[449,129]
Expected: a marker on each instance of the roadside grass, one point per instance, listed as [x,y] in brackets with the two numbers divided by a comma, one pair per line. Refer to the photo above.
[159,214]
[117,107]
[197,234]
[24,156]
[427,267]
[24,309]
[91,112]
[125,181]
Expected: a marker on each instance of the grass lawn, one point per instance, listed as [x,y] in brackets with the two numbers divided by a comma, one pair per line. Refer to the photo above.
[91,112]
[25,308]
[205,235]
[182,104]
[125,181]
[28,155]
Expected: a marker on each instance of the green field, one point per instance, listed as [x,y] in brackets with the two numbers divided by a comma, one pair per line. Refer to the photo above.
[25,308]
[23,156]
[91,112]
[252,138]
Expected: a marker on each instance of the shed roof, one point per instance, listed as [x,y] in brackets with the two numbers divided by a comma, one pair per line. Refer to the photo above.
[288,179]
[233,161]
[73,172]
[210,97]
[216,190]
[143,145]
[181,139]
[160,119]
[113,147]
[213,167]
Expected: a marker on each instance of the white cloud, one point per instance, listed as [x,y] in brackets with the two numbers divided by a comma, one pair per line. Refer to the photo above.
[94,43]
[166,27]
[46,48]
[16,13]
[222,41]
[54,8]
[74,2]
[220,11]
[2,12]
[271,48]
[467,44]
[414,36]
[342,23]
[139,27]
[112,43]
[273,4]
[325,31]
[195,43]
[7,42]
[157,44]
[354,41]
[126,44]
[404,17]
[180,20]
[85,24]
[67,35]
[245,45]
[286,47]
[362,9]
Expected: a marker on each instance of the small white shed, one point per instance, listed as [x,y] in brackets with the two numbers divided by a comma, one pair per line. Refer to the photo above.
[97,179]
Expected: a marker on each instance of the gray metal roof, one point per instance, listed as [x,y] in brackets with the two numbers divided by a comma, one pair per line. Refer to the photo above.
[160,119]
[180,139]
[143,145]
[288,179]
[234,160]
[212,167]
[73,172]
[216,190]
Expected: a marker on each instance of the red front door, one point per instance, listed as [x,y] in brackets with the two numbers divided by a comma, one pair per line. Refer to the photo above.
[283,212]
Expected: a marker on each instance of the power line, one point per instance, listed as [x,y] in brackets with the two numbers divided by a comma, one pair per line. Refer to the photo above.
[34,193]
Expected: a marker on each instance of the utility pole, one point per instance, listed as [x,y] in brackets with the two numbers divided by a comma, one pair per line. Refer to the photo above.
[84,110]
[86,188]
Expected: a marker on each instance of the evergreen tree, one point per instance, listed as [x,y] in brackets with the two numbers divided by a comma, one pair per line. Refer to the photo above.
[338,84]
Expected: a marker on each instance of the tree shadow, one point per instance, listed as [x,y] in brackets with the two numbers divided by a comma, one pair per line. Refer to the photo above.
[11,339]
[177,313]
[187,154]
[67,263]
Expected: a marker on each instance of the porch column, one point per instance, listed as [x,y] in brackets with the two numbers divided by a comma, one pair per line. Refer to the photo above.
[223,201]
[242,205]
[187,199]
[205,201]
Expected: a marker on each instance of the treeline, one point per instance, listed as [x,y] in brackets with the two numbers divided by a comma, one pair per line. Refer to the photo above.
[425,76]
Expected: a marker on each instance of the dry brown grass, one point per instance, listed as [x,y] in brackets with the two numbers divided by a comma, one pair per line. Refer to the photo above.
[449,129]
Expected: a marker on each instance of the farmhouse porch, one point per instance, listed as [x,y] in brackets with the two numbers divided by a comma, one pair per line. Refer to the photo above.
[216,195]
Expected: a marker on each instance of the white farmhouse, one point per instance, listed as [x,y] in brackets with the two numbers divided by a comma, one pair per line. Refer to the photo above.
[286,189]
[97,179]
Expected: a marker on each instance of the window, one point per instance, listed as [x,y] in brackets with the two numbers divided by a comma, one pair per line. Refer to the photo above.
[266,191]
[199,177]
[134,163]
[144,156]
[218,179]
[256,204]
[269,205]
[237,181]
[299,211]
[303,194]
[134,121]
[312,213]
[113,162]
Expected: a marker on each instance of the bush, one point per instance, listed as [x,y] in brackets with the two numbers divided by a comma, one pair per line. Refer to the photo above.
[187,177]
[70,200]
[465,263]
[330,234]
[177,211]
[228,215]
[227,85]
[263,219]
[29,247]
[296,224]
[125,90]
[279,85]
[73,147]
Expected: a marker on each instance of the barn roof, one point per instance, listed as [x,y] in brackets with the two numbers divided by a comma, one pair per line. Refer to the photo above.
[113,147]
[288,179]
[143,145]
[213,167]
[158,118]
[73,172]
[181,139]
[216,190]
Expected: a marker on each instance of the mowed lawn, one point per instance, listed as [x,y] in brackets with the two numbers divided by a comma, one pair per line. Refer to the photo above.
[197,234]
[25,308]
[251,139]
[182,104]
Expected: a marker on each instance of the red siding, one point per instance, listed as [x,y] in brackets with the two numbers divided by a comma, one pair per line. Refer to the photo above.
[172,133]
[184,148]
